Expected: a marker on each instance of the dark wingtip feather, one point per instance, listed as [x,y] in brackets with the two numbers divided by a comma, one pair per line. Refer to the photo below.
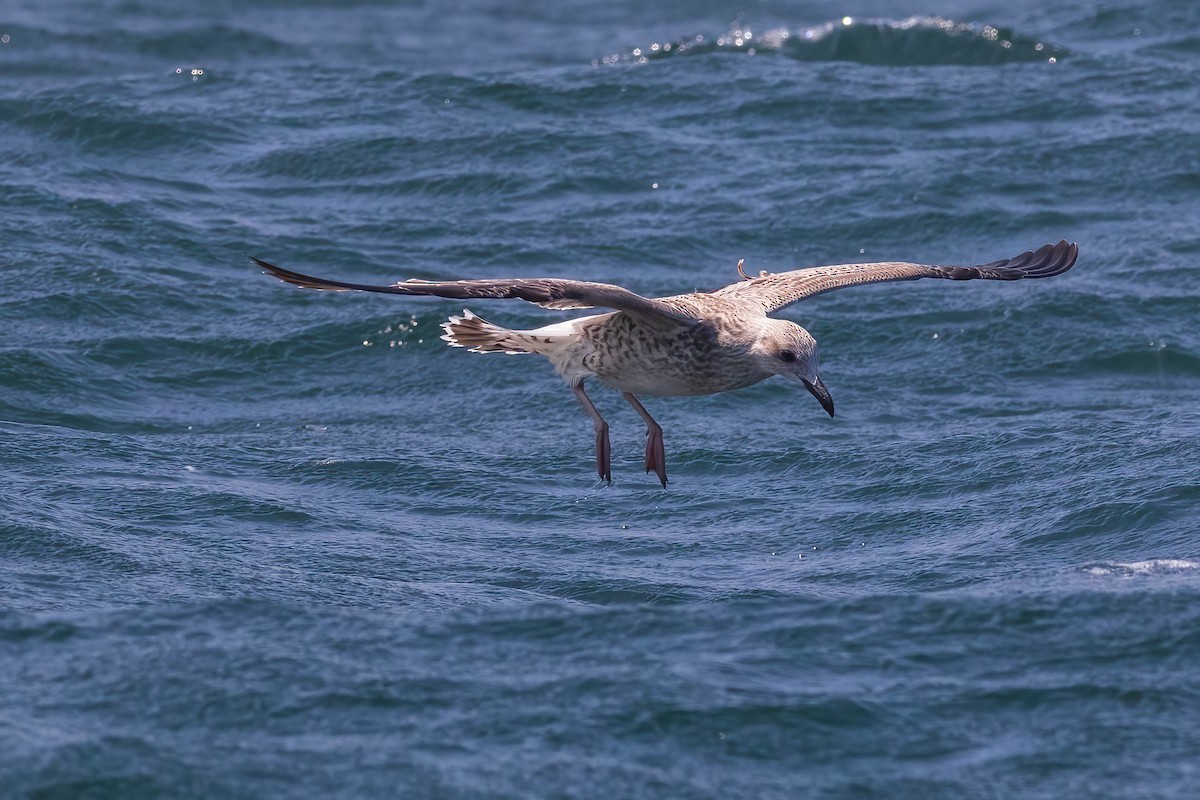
[1056,259]
[1045,262]
[296,279]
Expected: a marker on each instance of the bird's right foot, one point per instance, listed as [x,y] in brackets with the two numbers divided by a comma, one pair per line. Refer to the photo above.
[656,455]
[603,453]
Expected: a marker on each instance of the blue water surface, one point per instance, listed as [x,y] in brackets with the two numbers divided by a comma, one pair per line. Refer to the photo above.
[258,541]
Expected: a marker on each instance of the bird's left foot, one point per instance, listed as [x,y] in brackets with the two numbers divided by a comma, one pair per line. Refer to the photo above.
[656,455]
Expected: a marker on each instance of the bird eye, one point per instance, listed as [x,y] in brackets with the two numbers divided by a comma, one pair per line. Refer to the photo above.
[787,355]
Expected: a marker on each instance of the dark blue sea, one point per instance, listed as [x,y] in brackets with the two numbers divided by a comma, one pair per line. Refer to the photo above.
[263,542]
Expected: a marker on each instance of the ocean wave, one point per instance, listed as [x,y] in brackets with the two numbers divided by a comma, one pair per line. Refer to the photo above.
[1154,566]
[1156,357]
[914,41]
[210,41]
[106,125]
[16,626]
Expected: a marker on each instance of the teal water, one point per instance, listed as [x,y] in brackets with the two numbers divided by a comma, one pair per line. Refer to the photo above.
[262,542]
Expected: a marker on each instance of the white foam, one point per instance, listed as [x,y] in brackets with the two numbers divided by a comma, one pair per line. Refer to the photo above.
[1151,567]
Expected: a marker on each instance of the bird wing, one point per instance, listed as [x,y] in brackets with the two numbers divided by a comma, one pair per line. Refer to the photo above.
[775,291]
[555,293]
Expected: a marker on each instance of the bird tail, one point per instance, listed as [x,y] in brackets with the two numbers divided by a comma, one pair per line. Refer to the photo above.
[481,336]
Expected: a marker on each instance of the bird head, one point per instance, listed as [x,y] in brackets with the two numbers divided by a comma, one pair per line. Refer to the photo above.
[789,351]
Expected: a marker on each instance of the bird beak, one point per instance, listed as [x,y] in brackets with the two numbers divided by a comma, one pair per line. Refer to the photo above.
[820,392]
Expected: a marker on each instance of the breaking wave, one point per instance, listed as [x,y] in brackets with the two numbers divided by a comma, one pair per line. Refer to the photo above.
[1153,566]
[915,41]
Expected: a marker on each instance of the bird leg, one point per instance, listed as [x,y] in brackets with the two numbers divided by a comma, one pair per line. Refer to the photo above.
[603,451]
[656,456]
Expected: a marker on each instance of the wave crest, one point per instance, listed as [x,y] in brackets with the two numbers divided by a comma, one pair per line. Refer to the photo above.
[915,41]
[1154,566]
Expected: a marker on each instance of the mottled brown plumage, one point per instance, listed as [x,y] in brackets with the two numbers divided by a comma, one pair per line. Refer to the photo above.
[689,344]
[775,291]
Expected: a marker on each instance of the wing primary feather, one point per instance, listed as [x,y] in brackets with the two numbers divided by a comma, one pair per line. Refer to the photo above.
[323,284]
[781,289]
[555,293]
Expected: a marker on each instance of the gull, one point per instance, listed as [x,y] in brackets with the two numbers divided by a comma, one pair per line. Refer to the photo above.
[689,344]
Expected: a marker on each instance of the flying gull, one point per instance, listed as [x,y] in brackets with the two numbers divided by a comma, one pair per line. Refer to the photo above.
[688,344]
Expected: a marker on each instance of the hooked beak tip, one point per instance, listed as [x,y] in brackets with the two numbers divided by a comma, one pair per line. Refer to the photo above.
[817,387]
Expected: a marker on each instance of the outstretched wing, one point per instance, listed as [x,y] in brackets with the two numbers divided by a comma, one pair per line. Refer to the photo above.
[546,292]
[774,291]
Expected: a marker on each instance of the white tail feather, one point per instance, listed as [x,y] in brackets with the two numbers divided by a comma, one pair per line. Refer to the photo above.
[481,336]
